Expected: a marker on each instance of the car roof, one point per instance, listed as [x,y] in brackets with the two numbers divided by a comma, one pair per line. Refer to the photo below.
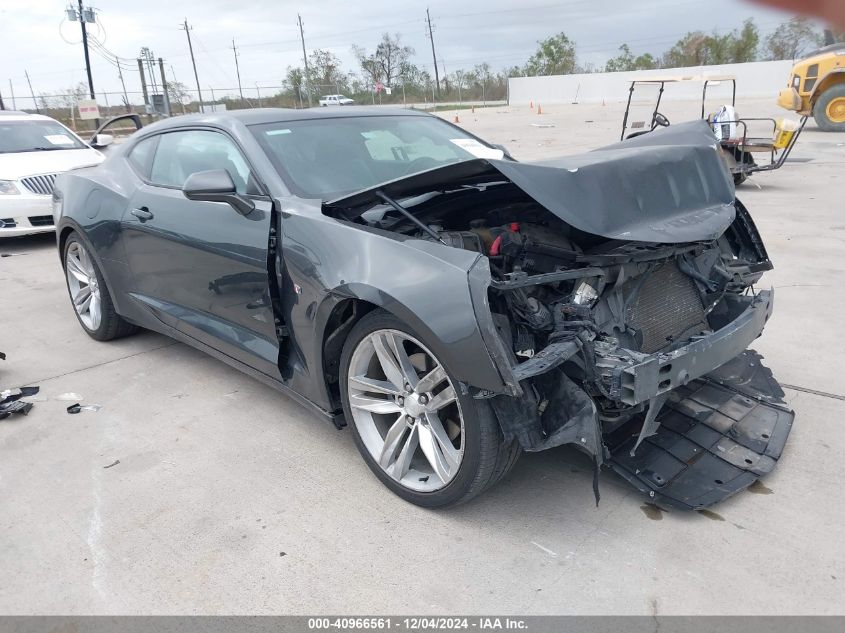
[17,115]
[259,116]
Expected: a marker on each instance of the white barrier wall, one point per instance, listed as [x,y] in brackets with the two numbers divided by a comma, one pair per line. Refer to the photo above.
[756,79]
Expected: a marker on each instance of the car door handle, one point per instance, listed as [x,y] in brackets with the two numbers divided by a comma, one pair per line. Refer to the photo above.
[142,214]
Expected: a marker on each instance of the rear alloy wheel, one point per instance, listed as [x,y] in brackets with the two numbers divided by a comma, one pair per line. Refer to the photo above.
[89,295]
[83,286]
[430,444]
[829,110]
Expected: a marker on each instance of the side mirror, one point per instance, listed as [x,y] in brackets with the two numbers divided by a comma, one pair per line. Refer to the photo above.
[216,186]
[102,140]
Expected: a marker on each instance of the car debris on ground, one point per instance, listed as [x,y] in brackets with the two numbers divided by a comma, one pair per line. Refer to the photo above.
[79,408]
[11,401]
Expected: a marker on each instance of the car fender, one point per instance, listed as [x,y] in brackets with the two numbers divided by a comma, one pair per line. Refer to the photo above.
[423,283]
[457,342]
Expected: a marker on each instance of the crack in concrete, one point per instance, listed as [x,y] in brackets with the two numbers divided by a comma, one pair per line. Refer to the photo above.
[815,392]
[108,362]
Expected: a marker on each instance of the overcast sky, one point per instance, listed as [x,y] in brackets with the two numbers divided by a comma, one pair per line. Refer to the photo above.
[34,37]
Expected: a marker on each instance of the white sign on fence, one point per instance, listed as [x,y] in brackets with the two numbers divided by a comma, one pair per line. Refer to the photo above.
[88,109]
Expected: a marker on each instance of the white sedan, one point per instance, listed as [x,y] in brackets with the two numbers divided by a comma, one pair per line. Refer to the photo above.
[34,150]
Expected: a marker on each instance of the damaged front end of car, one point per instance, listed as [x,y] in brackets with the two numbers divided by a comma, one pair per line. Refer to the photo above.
[641,361]
[617,293]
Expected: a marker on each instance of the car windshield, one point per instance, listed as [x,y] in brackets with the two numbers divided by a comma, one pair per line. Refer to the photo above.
[328,157]
[35,136]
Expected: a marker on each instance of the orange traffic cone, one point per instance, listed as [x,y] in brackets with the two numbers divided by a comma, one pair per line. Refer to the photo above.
[457,120]
[539,109]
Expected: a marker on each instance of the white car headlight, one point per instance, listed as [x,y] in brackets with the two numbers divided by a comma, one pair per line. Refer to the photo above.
[8,188]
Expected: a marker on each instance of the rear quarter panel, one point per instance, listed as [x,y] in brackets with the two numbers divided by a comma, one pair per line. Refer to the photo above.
[93,202]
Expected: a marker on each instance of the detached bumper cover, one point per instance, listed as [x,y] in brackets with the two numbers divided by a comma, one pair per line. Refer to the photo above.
[717,436]
[663,372]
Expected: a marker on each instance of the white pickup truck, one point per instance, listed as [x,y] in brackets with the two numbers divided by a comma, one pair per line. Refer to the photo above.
[338,100]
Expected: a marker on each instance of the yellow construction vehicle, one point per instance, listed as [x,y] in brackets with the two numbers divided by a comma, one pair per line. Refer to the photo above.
[817,88]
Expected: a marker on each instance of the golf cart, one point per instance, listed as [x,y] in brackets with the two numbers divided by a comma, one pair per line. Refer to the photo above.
[738,148]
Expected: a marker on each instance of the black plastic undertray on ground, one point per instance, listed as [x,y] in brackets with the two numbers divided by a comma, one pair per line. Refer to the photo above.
[717,436]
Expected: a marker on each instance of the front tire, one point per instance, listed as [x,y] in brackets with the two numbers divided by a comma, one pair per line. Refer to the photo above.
[89,295]
[829,110]
[431,444]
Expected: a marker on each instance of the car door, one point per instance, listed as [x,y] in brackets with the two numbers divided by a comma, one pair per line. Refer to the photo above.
[201,267]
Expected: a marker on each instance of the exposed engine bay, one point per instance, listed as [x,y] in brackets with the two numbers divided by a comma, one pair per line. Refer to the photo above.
[610,318]
[622,300]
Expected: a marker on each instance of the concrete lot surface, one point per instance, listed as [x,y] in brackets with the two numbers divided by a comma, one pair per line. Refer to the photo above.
[230,498]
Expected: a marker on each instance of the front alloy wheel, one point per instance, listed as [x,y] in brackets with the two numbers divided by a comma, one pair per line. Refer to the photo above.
[417,428]
[406,411]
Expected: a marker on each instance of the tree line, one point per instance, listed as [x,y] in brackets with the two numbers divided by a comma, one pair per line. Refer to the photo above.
[391,65]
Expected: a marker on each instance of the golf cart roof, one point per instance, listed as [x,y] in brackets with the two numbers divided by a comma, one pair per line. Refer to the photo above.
[656,79]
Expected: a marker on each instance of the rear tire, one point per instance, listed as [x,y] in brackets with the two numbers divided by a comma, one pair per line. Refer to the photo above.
[478,456]
[733,159]
[829,110]
[89,295]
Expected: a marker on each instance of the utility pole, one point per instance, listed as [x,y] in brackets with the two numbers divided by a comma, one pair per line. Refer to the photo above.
[304,60]
[32,92]
[147,108]
[167,109]
[149,59]
[173,74]
[237,69]
[187,30]
[122,83]
[433,54]
[85,48]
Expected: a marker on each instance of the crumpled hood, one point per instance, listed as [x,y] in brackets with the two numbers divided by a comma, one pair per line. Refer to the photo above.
[22,164]
[668,186]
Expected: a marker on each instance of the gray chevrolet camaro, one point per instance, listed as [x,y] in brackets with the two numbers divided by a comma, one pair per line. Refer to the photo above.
[451,305]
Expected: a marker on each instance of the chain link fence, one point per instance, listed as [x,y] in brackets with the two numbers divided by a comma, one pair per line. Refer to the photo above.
[63,106]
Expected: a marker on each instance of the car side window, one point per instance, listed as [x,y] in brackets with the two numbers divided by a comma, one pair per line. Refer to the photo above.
[181,154]
[141,156]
